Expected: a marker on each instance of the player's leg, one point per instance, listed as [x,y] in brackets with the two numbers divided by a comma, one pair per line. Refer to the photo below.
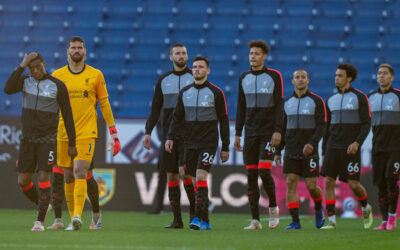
[266,154]
[161,187]
[379,161]
[392,177]
[57,196]
[93,195]
[311,173]
[353,179]
[292,199]
[81,167]
[250,157]
[189,189]
[26,165]
[191,159]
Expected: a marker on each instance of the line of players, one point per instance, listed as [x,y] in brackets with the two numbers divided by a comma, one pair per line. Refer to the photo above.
[64,140]
[192,108]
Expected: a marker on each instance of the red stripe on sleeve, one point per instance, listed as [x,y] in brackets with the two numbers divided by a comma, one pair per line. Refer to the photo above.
[280,75]
[44,184]
[223,94]
[369,109]
[322,103]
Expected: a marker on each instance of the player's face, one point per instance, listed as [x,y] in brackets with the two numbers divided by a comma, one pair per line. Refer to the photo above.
[256,57]
[76,51]
[37,69]
[384,77]
[179,56]
[300,79]
[200,70]
[341,79]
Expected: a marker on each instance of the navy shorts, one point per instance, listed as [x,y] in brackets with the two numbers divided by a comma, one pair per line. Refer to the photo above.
[337,163]
[36,156]
[256,148]
[201,158]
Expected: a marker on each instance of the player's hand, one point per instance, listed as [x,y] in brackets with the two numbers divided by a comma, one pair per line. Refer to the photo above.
[224,156]
[276,139]
[236,144]
[113,141]
[147,141]
[72,151]
[308,149]
[169,144]
[278,160]
[27,59]
[353,148]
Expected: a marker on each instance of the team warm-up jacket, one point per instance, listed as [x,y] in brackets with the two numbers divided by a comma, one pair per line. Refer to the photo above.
[260,103]
[304,123]
[198,111]
[348,119]
[385,119]
[41,102]
[165,96]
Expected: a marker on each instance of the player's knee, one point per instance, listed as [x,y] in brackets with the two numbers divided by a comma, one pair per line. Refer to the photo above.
[354,185]
[329,183]
[172,177]
[23,179]
[311,185]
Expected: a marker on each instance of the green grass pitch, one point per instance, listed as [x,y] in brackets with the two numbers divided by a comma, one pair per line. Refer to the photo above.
[133,230]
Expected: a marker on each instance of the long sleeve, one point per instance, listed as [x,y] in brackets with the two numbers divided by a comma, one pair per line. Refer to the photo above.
[365,118]
[241,110]
[320,119]
[177,119]
[222,113]
[278,101]
[328,122]
[15,82]
[107,112]
[156,106]
[283,141]
[66,111]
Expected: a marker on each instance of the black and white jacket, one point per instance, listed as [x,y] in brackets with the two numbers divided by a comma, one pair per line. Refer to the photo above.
[199,110]
[41,102]
[348,119]
[385,119]
[260,103]
[165,96]
[304,123]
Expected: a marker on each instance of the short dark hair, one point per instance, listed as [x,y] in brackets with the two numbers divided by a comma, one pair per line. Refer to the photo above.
[174,46]
[388,66]
[300,70]
[38,57]
[76,39]
[202,58]
[351,71]
[259,44]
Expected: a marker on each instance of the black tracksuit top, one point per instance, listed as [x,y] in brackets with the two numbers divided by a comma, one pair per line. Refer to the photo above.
[41,102]
[304,123]
[260,103]
[198,111]
[165,97]
[348,119]
[385,120]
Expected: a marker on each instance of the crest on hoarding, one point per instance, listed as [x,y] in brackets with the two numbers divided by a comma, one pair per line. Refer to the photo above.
[105,178]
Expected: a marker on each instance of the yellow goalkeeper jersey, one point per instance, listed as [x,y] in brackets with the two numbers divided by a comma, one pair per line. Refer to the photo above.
[84,88]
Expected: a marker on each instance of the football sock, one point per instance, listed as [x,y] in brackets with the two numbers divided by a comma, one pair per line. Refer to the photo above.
[383,201]
[191,195]
[393,195]
[93,193]
[268,182]
[79,196]
[317,202]
[363,200]
[174,195]
[30,192]
[253,192]
[57,191]
[69,197]
[330,207]
[294,210]
[44,199]
[202,201]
